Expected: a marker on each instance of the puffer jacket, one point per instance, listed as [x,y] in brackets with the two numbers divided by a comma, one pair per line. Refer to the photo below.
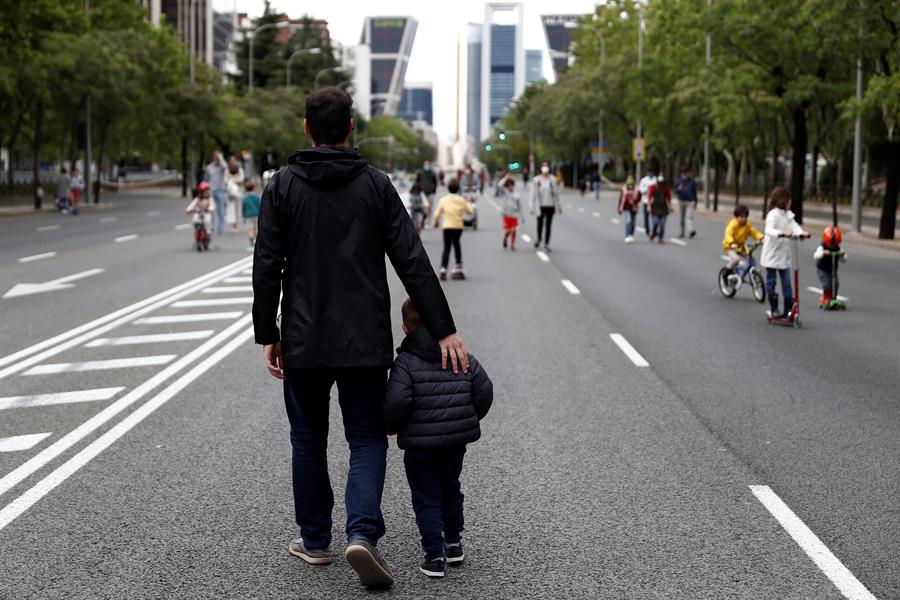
[430,407]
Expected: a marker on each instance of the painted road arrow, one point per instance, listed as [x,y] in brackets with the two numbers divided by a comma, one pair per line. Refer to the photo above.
[26,289]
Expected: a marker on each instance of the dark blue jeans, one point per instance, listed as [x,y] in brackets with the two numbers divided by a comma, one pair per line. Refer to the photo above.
[436,497]
[361,395]
[629,222]
[659,225]
[786,290]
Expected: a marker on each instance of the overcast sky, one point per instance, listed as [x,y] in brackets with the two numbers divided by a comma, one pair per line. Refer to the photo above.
[434,51]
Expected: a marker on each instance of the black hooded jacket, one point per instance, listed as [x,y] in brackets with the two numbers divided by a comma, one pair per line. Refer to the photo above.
[326,221]
[430,407]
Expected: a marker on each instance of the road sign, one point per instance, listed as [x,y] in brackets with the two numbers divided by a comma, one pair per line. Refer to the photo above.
[599,152]
[638,151]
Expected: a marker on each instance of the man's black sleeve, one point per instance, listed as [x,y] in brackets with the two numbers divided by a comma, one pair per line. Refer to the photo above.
[398,401]
[482,388]
[410,261]
[268,264]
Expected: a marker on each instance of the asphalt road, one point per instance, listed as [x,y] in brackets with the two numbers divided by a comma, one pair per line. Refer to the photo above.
[595,477]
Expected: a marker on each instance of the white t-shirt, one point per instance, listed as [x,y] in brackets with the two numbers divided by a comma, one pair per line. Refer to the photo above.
[645,183]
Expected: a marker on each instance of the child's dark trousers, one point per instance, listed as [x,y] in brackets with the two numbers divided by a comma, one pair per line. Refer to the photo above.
[433,477]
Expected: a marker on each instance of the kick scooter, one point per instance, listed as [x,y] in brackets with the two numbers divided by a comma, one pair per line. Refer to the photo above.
[834,303]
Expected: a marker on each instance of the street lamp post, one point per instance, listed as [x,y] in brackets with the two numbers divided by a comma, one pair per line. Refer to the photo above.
[600,157]
[706,126]
[322,72]
[290,60]
[637,167]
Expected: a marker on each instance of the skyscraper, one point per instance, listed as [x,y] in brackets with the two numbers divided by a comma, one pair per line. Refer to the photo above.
[558,30]
[473,87]
[534,66]
[195,31]
[390,40]
[416,103]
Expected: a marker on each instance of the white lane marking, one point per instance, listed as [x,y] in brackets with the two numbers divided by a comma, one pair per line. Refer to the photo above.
[228,289]
[724,257]
[155,338]
[678,242]
[615,220]
[238,280]
[526,238]
[543,256]
[22,442]
[125,238]
[641,229]
[40,459]
[183,226]
[219,316]
[34,257]
[108,219]
[211,302]
[58,398]
[570,286]
[153,213]
[83,333]
[581,209]
[819,291]
[810,543]
[100,365]
[628,349]
[48,228]
[18,506]
[54,285]
[597,215]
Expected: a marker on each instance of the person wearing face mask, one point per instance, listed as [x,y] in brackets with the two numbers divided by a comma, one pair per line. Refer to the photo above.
[427,181]
[544,204]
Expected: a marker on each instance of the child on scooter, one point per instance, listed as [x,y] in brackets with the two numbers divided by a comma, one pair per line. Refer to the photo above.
[828,256]
[202,207]
[776,252]
[512,212]
[736,233]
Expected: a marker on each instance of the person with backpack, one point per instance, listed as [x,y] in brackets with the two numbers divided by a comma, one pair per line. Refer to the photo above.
[686,190]
[660,207]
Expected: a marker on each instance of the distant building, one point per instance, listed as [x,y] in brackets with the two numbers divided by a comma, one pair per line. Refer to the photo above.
[283,36]
[416,103]
[473,88]
[223,41]
[390,41]
[558,30]
[534,66]
[358,60]
[196,32]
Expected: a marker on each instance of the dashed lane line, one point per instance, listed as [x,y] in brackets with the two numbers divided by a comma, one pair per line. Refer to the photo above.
[52,451]
[47,228]
[543,256]
[156,338]
[34,257]
[573,289]
[641,229]
[597,215]
[125,238]
[192,318]
[18,443]
[615,221]
[526,238]
[241,334]
[228,289]
[154,213]
[810,543]
[581,209]
[183,226]
[724,257]
[107,219]
[100,365]
[212,302]
[678,242]
[59,398]
[819,291]
[628,349]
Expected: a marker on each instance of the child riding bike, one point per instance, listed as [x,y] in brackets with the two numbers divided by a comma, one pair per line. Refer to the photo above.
[736,233]
[202,208]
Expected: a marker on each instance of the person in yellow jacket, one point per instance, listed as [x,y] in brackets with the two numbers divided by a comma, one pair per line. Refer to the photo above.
[736,233]
[451,207]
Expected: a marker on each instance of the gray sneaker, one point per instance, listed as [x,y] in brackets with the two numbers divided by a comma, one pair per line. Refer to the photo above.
[313,557]
[368,564]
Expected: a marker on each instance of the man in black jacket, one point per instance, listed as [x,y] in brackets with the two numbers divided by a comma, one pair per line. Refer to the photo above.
[427,180]
[326,221]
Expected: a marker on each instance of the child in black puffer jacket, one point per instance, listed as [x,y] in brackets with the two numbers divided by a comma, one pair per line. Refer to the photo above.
[435,413]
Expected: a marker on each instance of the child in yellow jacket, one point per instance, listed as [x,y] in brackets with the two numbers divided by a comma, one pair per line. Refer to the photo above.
[736,233]
[451,207]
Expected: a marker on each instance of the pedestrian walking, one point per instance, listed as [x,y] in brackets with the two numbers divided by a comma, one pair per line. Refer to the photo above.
[38,196]
[435,414]
[644,187]
[63,188]
[427,181]
[468,181]
[250,211]
[418,207]
[686,190]
[214,175]
[660,207]
[629,200]
[234,183]
[76,186]
[776,250]
[545,204]
[452,207]
[326,221]
[511,209]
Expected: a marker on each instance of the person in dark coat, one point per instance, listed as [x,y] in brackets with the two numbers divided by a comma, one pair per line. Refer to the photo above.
[435,413]
[326,221]
[427,180]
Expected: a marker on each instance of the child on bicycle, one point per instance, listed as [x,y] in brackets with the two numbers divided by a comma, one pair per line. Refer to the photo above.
[202,207]
[418,207]
[736,233]
[512,212]
[776,252]
[828,256]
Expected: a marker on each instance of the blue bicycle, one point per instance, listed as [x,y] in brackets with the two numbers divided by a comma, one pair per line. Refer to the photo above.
[730,281]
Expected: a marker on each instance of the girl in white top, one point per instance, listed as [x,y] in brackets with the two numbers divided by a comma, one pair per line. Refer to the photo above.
[776,251]
[234,185]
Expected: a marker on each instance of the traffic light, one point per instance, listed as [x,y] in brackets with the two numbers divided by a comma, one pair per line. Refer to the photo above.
[513,166]
[488,147]
[502,136]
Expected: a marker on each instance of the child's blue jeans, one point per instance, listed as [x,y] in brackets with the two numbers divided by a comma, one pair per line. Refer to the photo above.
[786,289]
[433,477]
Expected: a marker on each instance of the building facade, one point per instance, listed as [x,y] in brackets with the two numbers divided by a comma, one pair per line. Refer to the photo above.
[558,31]
[473,83]
[192,21]
[390,41]
[416,103]
[534,66]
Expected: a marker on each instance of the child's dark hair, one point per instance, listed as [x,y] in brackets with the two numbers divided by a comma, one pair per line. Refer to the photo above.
[411,317]
[741,211]
[780,198]
[248,185]
[453,186]
[510,182]
[415,189]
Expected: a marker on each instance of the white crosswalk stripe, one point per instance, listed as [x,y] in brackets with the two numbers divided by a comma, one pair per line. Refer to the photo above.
[59,398]
[211,302]
[228,289]
[238,280]
[155,338]
[100,365]
[191,318]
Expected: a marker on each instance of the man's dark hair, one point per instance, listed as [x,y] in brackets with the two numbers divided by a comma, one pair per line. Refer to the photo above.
[328,115]
[411,317]
[741,211]
[453,186]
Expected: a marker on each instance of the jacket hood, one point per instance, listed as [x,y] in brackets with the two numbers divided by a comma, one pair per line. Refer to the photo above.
[326,166]
[420,343]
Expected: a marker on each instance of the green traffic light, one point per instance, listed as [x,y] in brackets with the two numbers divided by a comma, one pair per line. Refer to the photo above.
[488,147]
[502,136]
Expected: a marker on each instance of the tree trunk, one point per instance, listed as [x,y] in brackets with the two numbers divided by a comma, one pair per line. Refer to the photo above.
[185,174]
[891,190]
[737,178]
[799,141]
[729,173]
[36,142]
[716,182]
[814,182]
[10,144]
[99,186]
[774,162]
